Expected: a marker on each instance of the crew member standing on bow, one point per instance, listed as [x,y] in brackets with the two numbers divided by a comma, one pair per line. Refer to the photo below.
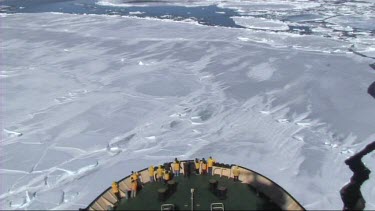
[176,167]
[210,163]
[203,167]
[236,173]
[135,176]
[159,174]
[134,185]
[197,166]
[167,176]
[115,190]
[151,172]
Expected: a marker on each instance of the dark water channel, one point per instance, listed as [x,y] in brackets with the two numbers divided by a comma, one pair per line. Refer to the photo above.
[206,15]
[211,15]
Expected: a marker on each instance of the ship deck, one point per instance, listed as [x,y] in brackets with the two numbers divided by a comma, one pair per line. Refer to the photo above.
[240,196]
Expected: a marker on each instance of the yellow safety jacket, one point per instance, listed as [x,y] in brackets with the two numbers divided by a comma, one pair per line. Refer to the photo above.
[204,166]
[197,165]
[151,171]
[236,172]
[176,166]
[115,188]
[159,172]
[134,185]
[135,176]
[167,176]
[211,162]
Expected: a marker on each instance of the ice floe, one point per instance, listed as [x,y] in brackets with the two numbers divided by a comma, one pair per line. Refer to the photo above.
[136,13]
[260,23]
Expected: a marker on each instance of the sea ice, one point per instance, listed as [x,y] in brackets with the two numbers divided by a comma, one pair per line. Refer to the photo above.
[260,23]
[261,85]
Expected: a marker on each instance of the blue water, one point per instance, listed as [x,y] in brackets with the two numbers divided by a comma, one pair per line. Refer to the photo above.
[206,15]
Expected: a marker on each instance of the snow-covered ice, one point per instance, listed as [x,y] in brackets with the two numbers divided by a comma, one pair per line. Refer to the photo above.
[91,98]
[350,22]
[260,23]
[136,13]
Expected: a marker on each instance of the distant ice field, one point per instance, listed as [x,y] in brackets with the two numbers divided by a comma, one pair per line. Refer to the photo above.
[351,23]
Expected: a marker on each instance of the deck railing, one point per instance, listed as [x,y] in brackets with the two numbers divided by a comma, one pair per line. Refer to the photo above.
[261,183]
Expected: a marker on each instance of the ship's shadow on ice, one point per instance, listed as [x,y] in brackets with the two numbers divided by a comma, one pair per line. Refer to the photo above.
[371,90]
[351,194]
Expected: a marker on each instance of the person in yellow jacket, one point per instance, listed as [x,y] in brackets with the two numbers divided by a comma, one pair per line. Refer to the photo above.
[176,168]
[134,188]
[210,163]
[115,190]
[159,174]
[167,176]
[135,176]
[203,167]
[236,173]
[197,166]
[151,172]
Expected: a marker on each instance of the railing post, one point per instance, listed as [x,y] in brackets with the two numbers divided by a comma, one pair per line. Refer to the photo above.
[192,199]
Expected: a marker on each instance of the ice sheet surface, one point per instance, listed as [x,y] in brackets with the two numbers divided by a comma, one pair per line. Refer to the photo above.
[86,99]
